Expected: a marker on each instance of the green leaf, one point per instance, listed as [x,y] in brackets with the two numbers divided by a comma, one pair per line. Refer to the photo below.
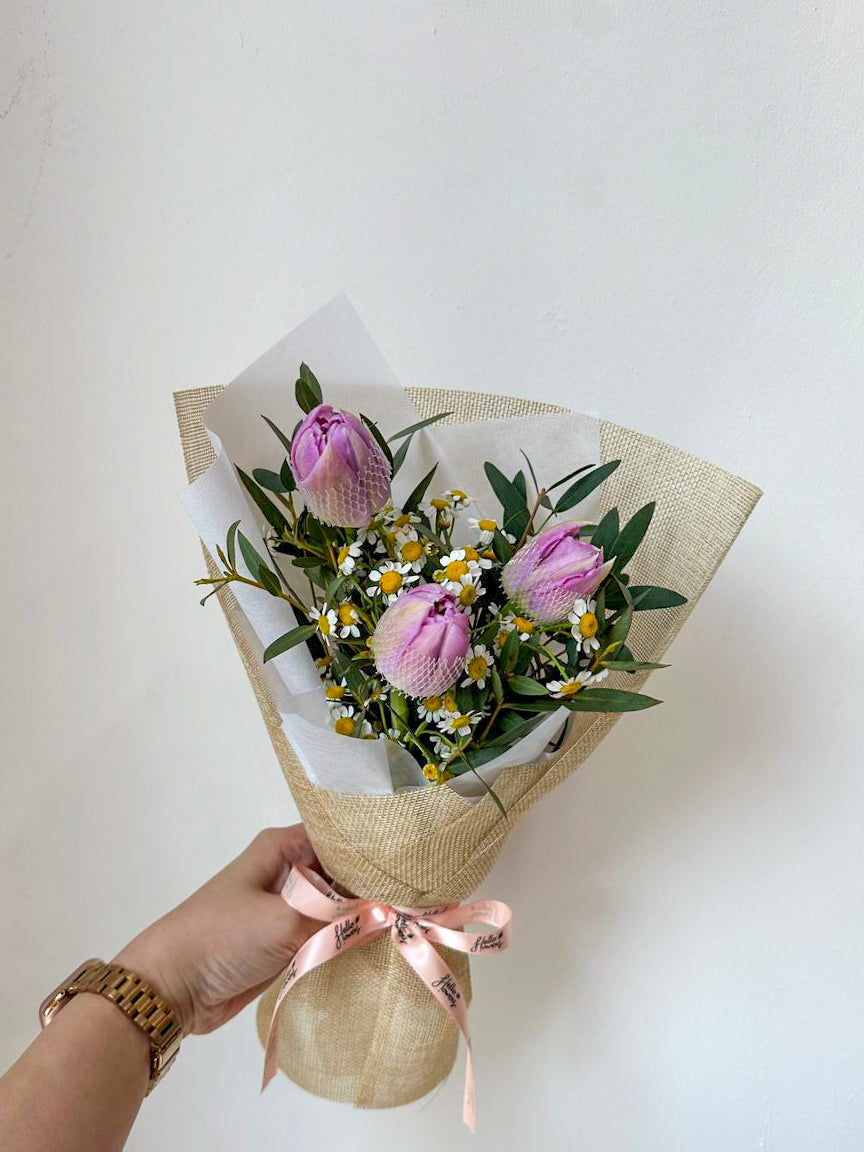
[288,640]
[305,396]
[533,705]
[501,546]
[413,501]
[231,544]
[376,432]
[250,556]
[631,535]
[509,652]
[269,581]
[286,443]
[512,500]
[287,476]
[310,380]
[569,476]
[412,428]
[631,665]
[583,487]
[520,486]
[647,596]
[515,733]
[525,686]
[606,532]
[270,480]
[271,513]
[222,557]
[618,631]
[400,454]
[497,687]
[609,700]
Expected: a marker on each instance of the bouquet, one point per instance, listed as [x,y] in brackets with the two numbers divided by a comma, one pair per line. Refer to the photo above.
[437,635]
[452,652]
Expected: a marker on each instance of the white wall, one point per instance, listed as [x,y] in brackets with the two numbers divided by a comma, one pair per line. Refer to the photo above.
[650,209]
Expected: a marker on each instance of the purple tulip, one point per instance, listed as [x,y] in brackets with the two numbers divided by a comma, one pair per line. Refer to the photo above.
[341,473]
[421,641]
[544,577]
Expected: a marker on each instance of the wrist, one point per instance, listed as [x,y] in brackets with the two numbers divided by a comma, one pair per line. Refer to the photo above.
[166,980]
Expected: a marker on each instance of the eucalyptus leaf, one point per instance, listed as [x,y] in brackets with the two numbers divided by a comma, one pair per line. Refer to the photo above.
[648,596]
[231,545]
[606,532]
[413,501]
[501,546]
[631,535]
[609,700]
[287,476]
[272,481]
[631,665]
[525,686]
[412,428]
[272,514]
[400,454]
[251,558]
[288,640]
[583,487]
[310,380]
[283,439]
[266,577]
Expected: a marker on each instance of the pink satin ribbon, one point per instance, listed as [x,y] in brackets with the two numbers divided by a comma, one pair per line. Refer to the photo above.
[350,922]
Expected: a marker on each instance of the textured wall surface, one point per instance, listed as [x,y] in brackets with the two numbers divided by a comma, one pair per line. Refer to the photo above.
[650,210]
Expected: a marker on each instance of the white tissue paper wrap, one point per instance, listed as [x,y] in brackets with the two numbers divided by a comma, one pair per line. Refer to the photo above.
[354,375]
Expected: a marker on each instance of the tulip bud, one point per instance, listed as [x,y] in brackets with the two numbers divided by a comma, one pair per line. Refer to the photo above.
[544,577]
[341,472]
[420,643]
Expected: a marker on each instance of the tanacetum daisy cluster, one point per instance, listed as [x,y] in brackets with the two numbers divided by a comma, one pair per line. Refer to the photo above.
[448,629]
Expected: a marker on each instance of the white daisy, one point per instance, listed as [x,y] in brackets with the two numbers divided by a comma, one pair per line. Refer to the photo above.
[324,619]
[478,665]
[458,498]
[388,580]
[564,689]
[585,625]
[411,550]
[455,566]
[377,692]
[599,677]
[344,718]
[459,723]
[485,529]
[347,557]
[431,707]
[349,620]
[521,624]
[469,591]
[334,690]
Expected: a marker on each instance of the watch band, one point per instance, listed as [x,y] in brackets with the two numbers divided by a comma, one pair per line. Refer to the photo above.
[155,1017]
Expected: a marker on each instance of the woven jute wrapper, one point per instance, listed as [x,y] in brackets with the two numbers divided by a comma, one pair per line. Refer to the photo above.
[362,1028]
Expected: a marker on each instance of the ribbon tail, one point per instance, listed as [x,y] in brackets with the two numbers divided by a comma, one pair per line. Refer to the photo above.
[427,963]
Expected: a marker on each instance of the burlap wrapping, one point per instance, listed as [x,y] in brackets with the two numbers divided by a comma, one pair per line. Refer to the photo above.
[362,1028]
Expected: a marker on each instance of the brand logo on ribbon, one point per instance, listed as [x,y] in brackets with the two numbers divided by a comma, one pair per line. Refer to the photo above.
[349,922]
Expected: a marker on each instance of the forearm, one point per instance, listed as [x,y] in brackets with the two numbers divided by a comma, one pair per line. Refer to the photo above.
[79,1085]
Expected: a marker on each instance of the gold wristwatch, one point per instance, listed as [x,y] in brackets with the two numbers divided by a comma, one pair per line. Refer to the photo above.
[153,1015]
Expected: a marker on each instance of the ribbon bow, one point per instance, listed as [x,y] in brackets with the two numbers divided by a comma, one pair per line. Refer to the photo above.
[350,922]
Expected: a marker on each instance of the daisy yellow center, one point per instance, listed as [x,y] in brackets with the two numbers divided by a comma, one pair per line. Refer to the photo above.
[347,614]
[450,702]
[402,521]
[432,703]
[570,689]
[478,666]
[467,595]
[344,726]
[324,625]
[486,525]
[430,771]
[459,494]
[460,722]
[440,504]
[500,639]
[412,550]
[588,624]
[390,582]
[472,554]
[523,625]
[343,553]
[488,554]
[334,692]
[456,569]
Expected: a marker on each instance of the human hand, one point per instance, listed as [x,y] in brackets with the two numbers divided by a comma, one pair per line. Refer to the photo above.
[223,946]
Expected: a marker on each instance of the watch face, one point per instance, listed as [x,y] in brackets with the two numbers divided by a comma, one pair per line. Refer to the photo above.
[56,999]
